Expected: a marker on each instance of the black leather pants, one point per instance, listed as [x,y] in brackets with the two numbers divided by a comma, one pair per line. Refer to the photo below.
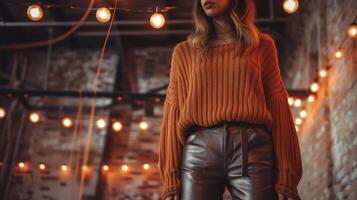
[236,155]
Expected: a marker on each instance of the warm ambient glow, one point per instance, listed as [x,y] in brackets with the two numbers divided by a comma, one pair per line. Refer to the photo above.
[42,167]
[303,113]
[298,121]
[314,87]
[146,166]
[297,102]
[67,122]
[103,15]
[2,113]
[117,126]
[296,128]
[35,12]
[290,6]
[322,72]
[105,168]
[352,30]
[64,168]
[101,123]
[157,20]
[21,165]
[338,54]
[34,117]
[291,101]
[124,168]
[143,125]
[311,98]
[85,168]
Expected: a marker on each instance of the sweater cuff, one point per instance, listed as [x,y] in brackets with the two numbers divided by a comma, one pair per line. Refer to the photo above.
[286,184]
[172,184]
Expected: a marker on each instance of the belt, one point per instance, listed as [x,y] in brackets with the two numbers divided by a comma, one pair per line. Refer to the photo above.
[194,128]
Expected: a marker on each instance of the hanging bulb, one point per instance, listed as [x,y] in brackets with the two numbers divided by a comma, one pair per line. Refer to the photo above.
[35,12]
[157,20]
[297,102]
[143,125]
[34,117]
[66,122]
[338,54]
[290,6]
[2,113]
[124,168]
[146,166]
[117,126]
[291,101]
[101,123]
[322,72]
[298,121]
[103,14]
[303,114]
[310,98]
[352,30]
[105,168]
[314,87]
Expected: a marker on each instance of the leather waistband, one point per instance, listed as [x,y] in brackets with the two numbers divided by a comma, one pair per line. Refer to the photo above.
[229,124]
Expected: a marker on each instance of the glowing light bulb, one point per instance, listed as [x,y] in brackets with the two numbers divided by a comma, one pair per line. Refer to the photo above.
[143,125]
[338,54]
[157,20]
[314,87]
[117,126]
[64,168]
[101,123]
[322,72]
[296,128]
[103,15]
[124,168]
[290,6]
[352,30]
[298,121]
[34,117]
[146,166]
[105,168]
[85,168]
[291,101]
[67,122]
[35,12]
[21,165]
[311,98]
[2,113]
[297,102]
[42,167]
[303,113]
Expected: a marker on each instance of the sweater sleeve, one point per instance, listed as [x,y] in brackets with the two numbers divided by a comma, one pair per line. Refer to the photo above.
[285,140]
[170,146]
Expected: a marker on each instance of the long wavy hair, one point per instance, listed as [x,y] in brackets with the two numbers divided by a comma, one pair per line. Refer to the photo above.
[242,15]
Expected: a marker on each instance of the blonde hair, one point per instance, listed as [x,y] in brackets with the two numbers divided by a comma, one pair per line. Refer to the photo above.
[242,14]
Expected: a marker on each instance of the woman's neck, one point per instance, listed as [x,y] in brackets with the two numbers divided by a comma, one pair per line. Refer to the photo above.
[223,30]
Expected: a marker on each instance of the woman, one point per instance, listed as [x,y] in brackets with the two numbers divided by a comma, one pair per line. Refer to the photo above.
[227,121]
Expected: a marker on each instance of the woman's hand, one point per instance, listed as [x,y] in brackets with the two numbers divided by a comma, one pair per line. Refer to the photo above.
[173,197]
[283,197]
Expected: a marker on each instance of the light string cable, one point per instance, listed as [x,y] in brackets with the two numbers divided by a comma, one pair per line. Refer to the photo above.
[93,105]
[53,40]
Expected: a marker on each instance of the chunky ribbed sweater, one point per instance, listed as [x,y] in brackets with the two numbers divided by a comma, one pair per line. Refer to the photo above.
[227,87]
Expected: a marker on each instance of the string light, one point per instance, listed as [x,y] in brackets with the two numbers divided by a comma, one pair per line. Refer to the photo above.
[157,20]
[35,12]
[21,165]
[352,30]
[146,166]
[290,6]
[117,126]
[42,167]
[64,168]
[124,168]
[314,87]
[296,128]
[105,168]
[297,102]
[85,169]
[103,15]
[322,72]
[143,125]
[298,121]
[303,114]
[2,113]
[34,117]
[67,122]
[101,124]
[291,101]
[310,98]
[338,53]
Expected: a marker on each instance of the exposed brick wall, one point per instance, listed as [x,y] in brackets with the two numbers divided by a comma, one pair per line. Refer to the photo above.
[328,137]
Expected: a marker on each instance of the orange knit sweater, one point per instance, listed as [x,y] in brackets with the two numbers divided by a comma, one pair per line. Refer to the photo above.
[227,87]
